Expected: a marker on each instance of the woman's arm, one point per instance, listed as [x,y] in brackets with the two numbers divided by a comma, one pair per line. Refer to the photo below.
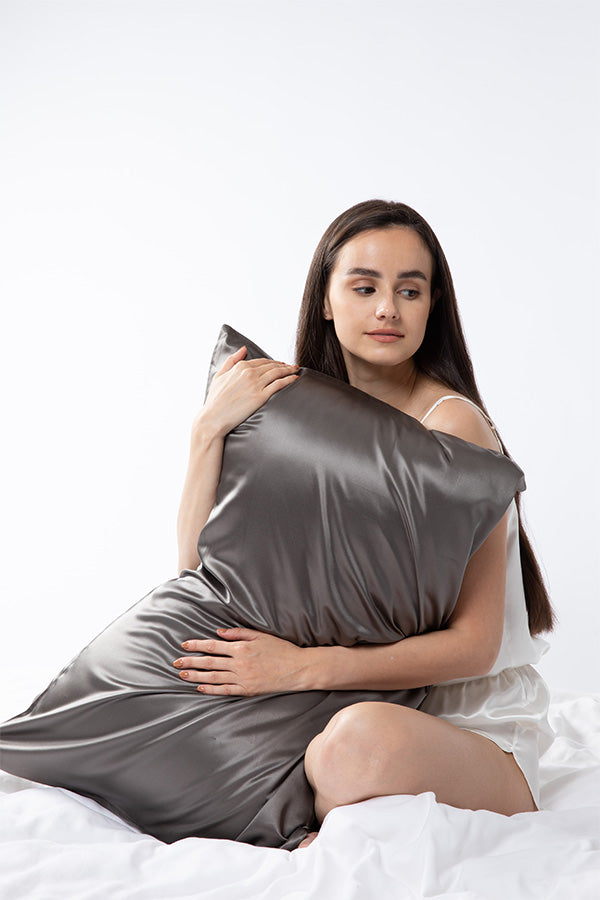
[199,489]
[249,662]
[237,390]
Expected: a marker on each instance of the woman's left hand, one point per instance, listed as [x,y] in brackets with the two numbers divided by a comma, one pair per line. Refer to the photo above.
[244,662]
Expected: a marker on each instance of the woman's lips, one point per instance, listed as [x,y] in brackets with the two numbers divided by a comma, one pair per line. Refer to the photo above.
[385,338]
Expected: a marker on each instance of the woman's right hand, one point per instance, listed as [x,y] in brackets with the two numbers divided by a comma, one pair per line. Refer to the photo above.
[239,388]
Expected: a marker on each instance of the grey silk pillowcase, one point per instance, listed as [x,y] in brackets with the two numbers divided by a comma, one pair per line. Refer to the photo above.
[352,508]
[338,519]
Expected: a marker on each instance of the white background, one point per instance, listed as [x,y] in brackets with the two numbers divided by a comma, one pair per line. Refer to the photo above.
[169,166]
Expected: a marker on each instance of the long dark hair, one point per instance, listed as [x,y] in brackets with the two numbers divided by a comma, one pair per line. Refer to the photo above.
[443,354]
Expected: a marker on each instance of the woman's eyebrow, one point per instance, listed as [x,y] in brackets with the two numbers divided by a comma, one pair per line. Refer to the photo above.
[373,273]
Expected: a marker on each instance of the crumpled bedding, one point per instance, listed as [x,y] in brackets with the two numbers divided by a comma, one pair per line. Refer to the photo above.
[55,844]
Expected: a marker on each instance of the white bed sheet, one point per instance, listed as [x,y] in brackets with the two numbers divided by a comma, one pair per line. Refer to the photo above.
[54,844]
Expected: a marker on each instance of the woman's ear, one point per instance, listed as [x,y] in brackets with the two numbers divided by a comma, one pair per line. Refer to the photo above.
[327,309]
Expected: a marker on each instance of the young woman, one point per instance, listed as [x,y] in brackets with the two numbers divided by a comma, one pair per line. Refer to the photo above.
[379,311]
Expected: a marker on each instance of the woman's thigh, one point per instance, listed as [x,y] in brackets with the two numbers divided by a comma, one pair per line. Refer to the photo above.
[373,749]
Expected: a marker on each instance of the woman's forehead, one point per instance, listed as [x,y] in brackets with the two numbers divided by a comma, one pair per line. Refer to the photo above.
[385,247]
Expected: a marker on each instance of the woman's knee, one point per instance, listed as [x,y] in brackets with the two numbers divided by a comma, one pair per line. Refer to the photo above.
[347,759]
[373,749]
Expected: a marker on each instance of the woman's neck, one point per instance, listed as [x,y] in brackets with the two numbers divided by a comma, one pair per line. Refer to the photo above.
[396,385]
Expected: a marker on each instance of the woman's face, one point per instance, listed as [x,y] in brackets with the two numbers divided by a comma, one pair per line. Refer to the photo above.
[381,282]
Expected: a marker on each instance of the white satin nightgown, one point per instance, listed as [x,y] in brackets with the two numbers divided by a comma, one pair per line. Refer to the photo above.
[509,705]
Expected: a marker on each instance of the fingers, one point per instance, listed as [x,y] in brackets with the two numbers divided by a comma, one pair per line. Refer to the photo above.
[222,663]
[267,378]
[280,383]
[266,366]
[213,673]
[196,677]
[210,646]
[214,683]
[205,669]
[238,634]
[263,375]
[238,356]
[218,680]
[224,690]
[232,359]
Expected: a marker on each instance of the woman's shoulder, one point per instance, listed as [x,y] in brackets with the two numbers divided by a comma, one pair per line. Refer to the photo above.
[450,411]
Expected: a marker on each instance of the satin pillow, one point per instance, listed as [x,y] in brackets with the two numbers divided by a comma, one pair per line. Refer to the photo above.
[351,510]
[338,519]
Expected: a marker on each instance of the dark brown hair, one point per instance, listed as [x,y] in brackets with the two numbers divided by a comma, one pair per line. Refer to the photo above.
[443,354]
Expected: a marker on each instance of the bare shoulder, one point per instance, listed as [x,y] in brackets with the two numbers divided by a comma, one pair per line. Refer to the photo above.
[464,420]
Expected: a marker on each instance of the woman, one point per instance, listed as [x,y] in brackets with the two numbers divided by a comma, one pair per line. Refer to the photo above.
[379,311]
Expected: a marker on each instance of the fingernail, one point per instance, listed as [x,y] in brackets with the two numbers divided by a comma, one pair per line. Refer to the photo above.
[185,674]
[221,630]
[200,688]
[178,662]
[186,645]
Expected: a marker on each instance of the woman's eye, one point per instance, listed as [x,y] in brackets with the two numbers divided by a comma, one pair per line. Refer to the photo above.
[367,289]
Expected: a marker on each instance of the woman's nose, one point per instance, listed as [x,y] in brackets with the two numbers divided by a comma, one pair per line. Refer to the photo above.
[387,306]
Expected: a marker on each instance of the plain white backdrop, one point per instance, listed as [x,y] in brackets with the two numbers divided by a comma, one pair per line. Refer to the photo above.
[169,166]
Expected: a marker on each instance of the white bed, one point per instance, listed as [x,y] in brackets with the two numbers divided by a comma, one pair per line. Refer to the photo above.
[55,844]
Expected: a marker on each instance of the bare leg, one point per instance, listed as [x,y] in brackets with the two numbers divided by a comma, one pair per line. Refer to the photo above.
[307,840]
[374,749]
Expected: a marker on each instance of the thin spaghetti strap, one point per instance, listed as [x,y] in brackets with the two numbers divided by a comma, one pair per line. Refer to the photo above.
[466,399]
[437,403]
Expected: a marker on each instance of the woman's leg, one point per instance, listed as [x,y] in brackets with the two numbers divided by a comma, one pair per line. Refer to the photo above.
[373,749]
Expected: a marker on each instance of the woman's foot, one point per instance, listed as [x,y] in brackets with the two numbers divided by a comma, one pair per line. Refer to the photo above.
[307,840]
